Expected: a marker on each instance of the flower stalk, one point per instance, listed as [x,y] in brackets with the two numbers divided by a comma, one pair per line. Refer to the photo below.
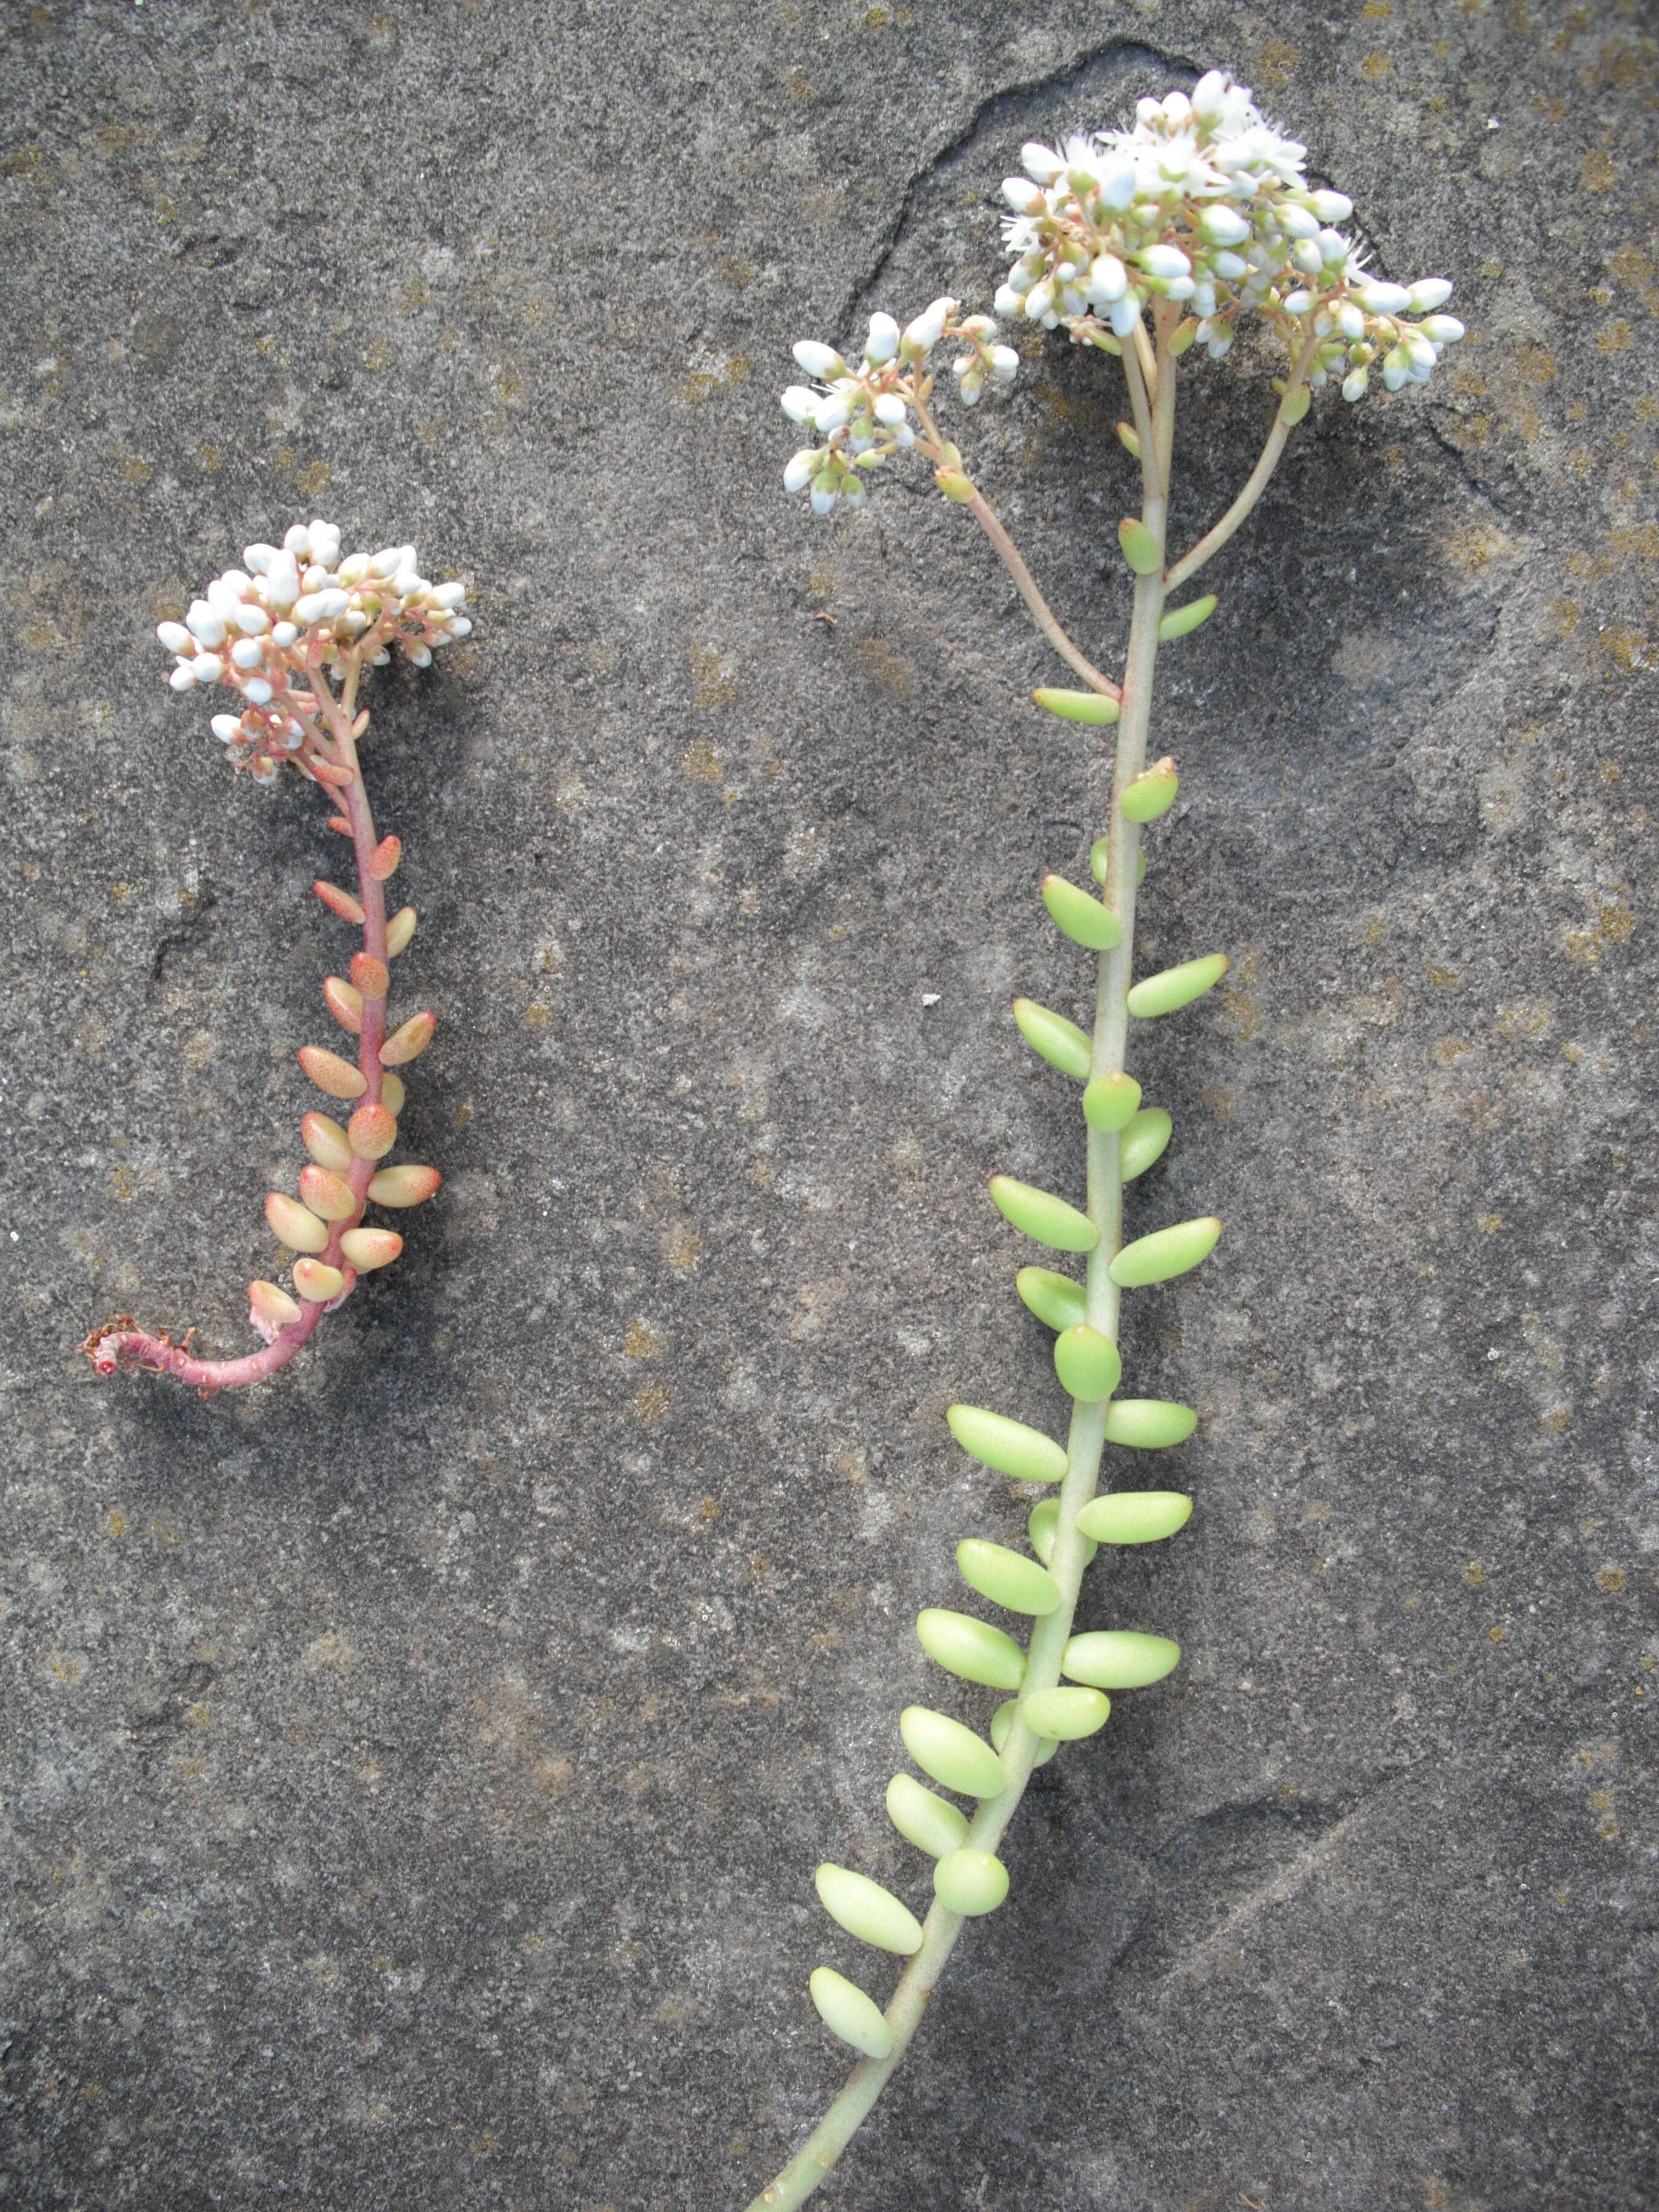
[299,680]
[1202,204]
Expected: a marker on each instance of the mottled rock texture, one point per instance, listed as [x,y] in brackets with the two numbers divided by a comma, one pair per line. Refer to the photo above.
[415,1769]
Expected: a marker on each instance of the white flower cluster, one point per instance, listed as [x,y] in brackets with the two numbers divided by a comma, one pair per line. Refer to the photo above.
[1204,202]
[864,412]
[292,608]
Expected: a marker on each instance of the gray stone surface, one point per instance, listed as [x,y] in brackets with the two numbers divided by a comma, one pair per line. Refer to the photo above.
[415,1769]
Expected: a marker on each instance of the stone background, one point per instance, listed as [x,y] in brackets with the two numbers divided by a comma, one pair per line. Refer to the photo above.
[415,1769]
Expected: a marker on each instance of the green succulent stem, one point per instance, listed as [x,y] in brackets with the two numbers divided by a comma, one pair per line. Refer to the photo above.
[1087,1437]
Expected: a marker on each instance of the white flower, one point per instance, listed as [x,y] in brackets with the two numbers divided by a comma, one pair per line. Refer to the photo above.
[1041,162]
[802,467]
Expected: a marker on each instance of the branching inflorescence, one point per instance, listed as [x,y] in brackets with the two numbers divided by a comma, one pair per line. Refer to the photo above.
[291,632]
[1198,215]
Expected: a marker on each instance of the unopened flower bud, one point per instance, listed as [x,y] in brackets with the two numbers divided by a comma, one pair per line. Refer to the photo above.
[1380,299]
[207,668]
[1024,197]
[1331,207]
[1041,163]
[226,728]
[258,690]
[205,624]
[883,341]
[1221,225]
[819,359]
[248,652]
[922,335]
[257,559]
[296,540]
[1355,385]
[798,402]
[1442,330]
[183,678]
[175,637]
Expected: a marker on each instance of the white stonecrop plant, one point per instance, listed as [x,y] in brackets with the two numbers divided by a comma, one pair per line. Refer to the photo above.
[1145,244]
[290,635]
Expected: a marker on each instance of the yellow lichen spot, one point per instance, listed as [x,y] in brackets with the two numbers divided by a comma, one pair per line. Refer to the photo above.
[798,88]
[1625,648]
[1448,1051]
[135,470]
[1598,174]
[1555,1421]
[1472,548]
[1376,10]
[712,687]
[115,1522]
[65,1670]
[1375,67]
[1375,933]
[1436,2193]
[1563,613]
[702,763]
[680,1247]
[1630,265]
[651,1403]
[710,1509]
[539,1016]
[1613,924]
[703,383]
[314,478]
[1474,1574]
[1276,63]
[1498,1635]
[1444,979]
[889,672]
[1611,1579]
[1526,1017]
[198,1715]
[1489,1224]
[641,1341]
[1615,338]
[877,18]
[414,295]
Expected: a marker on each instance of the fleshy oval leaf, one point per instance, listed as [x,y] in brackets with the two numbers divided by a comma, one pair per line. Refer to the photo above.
[1008,1578]
[1165,1254]
[1078,917]
[1009,1446]
[1067,1715]
[1174,988]
[867,1911]
[1135,1517]
[294,1225]
[970,1882]
[1093,708]
[1087,1363]
[1181,621]
[846,2011]
[1043,1218]
[1110,1102]
[1002,1719]
[1119,1658]
[1042,1528]
[326,1142]
[951,1753]
[1144,1137]
[1149,1423]
[923,1820]
[972,1649]
[1140,548]
[1153,792]
[1055,1299]
[1052,1038]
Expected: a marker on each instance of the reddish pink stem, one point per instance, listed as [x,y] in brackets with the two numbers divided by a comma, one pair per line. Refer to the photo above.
[119,1344]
